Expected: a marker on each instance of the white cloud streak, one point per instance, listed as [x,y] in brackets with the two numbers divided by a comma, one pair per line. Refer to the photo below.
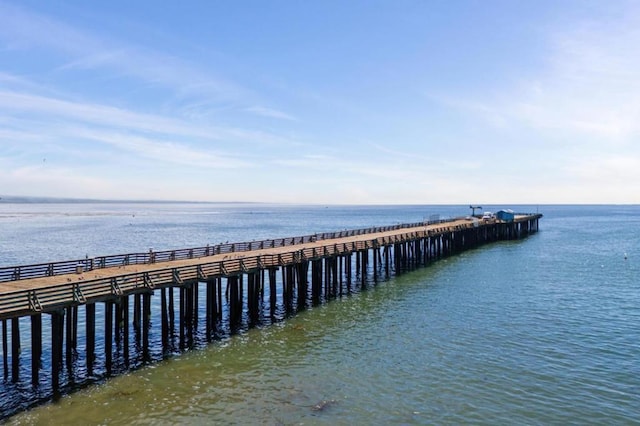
[100,115]
[162,151]
[270,113]
[25,30]
[589,88]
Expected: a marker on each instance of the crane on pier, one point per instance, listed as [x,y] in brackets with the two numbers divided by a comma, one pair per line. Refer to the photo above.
[474,208]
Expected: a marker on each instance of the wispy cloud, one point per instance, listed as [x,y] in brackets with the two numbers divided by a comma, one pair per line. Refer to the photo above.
[434,163]
[609,169]
[270,112]
[25,30]
[98,114]
[86,50]
[164,140]
[97,59]
[398,172]
[35,106]
[589,85]
[46,180]
[162,151]
[493,113]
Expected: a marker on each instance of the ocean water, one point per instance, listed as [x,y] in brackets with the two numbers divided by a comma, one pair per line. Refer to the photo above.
[545,330]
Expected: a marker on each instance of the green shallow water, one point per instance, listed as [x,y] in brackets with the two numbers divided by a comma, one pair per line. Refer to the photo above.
[544,330]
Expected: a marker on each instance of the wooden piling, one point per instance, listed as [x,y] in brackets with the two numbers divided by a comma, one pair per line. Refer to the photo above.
[272,273]
[90,331]
[348,272]
[15,349]
[137,317]
[146,325]
[171,316]
[164,320]
[5,355]
[219,293]
[124,328]
[194,305]
[36,348]
[375,264]
[57,326]
[210,308]
[117,327]
[69,336]
[235,302]
[108,336]
[188,314]
[181,317]
[316,281]
[341,273]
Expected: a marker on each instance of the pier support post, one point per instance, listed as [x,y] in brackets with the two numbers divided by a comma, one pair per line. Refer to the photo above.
[74,328]
[253,296]
[387,259]
[188,314]
[194,311]
[36,348]
[172,314]
[341,273]
[235,301]
[57,330]
[137,317]
[146,325]
[211,308]
[5,353]
[303,283]
[348,271]
[90,313]
[365,260]
[164,320]
[272,292]
[316,281]
[375,264]
[291,283]
[117,328]
[69,333]
[327,278]
[334,276]
[219,279]
[108,336]
[181,317]
[287,285]
[15,349]
[124,327]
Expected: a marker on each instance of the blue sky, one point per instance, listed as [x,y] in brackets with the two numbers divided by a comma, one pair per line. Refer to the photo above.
[368,102]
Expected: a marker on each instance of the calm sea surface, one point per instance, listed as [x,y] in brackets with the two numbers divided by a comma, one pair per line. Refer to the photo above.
[544,330]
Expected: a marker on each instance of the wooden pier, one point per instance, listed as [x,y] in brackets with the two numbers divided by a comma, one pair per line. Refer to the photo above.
[243,284]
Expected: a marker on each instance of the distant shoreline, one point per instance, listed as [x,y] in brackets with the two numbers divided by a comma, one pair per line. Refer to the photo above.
[54,200]
[21,199]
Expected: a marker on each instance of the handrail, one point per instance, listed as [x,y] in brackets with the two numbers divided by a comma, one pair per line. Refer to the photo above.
[20,272]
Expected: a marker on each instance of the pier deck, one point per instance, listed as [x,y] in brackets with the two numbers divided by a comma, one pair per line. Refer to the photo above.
[20,297]
[231,261]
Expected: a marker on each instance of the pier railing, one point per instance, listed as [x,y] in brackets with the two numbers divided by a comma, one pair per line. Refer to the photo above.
[14,273]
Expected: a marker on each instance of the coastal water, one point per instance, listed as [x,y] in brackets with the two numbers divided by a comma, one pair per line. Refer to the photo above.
[544,330]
